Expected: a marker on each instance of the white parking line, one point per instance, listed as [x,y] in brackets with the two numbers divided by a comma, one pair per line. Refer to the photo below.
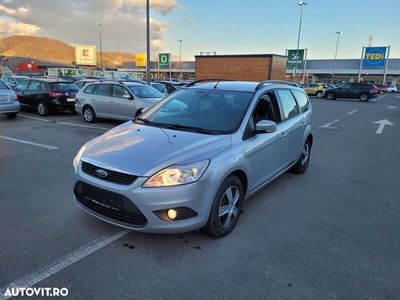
[38,119]
[63,262]
[28,143]
[352,112]
[331,123]
[80,125]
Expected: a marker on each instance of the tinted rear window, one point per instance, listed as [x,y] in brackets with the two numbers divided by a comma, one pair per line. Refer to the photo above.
[63,86]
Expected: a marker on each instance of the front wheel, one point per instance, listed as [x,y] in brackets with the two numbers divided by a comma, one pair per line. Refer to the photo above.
[364,97]
[42,109]
[319,94]
[302,163]
[225,210]
[330,96]
[12,115]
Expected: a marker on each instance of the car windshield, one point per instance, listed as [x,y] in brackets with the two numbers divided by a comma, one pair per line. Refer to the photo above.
[145,91]
[3,86]
[64,86]
[203,111]
[19,79]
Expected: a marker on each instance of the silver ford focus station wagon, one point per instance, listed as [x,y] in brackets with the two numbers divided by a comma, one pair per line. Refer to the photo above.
[190,161]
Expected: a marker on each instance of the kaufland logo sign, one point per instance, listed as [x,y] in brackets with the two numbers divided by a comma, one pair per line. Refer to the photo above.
[85,55]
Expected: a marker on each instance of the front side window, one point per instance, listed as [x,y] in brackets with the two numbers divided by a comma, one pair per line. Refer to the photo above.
[288,104]
[22,86]
[35,86]
[145,91]
[302,100]
[90,89]
[205,111]
[120,92]
[345,86]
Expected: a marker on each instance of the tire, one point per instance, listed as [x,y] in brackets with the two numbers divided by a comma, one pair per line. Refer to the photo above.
[12,115]
[42,109]
[302,163]
[218,224]
[89,114]
[364,98]
[319,94]
[330,96]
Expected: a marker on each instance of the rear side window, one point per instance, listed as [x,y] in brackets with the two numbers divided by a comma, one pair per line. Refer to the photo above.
[288,104]
[90,89]
[302,100]
[36,86]
[103,89]
[120,91]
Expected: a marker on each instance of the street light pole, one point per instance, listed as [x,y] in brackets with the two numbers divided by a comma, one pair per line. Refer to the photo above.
[101,48]
[302,4]
[148,41]
[334,61]
[180,59]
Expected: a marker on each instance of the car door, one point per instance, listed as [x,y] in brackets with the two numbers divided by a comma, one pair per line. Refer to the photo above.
[21,90]
[122,103]
[344,91]
[101,100]
[33,93]
[292,125]
[264,150]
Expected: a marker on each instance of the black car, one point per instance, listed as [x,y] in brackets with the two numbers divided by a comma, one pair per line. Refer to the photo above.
[46,95]
[172,86]
[362,91]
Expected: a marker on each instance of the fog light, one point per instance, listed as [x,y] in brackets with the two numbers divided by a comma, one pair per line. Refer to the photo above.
[171,214]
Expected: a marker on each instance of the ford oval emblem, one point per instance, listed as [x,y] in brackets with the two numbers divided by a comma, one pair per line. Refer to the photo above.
[101,173]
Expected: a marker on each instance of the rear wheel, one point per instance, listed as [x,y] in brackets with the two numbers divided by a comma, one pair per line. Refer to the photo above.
[331,96]
[12,115]
[42,109]
[226,208]
[89,115]
[364,97]
[301,165]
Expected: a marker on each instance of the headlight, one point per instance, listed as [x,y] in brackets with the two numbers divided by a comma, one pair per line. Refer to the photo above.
[78,156]
[177,175]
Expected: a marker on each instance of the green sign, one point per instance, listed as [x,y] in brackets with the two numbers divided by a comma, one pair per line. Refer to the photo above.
[293,56]
[164,60]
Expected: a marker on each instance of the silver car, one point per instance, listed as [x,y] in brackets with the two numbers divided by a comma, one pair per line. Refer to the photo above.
[191,160]
[115,100]
[9,104]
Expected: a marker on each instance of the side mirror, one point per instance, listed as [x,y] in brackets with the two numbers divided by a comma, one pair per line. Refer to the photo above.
[265,126]
[140,111]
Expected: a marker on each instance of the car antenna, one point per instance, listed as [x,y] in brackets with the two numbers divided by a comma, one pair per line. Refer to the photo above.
[223,75]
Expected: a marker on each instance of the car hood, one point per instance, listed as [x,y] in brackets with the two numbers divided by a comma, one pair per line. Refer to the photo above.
[143,150]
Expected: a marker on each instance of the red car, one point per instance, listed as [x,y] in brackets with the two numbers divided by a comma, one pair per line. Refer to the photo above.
[381,88]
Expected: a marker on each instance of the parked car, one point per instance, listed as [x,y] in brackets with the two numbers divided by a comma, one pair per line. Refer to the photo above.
[191,160]
[391,89]
[329,86]
[12,81]
[381,88]
[115,100]
[46,95]
[362,91]
[9,104]
[172,86]
[160,87]
[314,89]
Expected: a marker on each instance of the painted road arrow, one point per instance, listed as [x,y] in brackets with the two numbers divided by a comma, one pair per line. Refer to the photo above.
[382,124]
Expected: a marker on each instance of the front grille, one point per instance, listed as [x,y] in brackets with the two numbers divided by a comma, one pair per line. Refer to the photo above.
[112,176]
[109,204]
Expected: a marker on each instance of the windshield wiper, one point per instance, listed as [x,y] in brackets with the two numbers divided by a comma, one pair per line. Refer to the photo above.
[145,121]
[187,128]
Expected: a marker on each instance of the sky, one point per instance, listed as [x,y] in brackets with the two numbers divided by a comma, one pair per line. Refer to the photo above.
[224,26]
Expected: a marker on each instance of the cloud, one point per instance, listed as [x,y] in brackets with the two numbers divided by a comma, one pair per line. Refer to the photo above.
[75,21]
[18,28]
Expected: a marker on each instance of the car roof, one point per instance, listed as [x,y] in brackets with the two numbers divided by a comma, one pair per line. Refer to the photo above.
[50,80]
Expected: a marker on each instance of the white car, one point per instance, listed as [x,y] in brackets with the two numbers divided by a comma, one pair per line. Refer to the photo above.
[391,89]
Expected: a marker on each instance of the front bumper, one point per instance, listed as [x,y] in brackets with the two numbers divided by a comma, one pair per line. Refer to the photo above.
[9,108]
[197,196]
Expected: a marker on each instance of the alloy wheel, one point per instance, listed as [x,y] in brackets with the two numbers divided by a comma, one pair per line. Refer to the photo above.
[88,114]
[228,207]
[305,155]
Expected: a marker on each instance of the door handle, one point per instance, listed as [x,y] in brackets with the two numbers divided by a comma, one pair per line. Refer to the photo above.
[283,134]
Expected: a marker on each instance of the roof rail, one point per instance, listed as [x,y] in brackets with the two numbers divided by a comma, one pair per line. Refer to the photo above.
[261,84]
[207,80]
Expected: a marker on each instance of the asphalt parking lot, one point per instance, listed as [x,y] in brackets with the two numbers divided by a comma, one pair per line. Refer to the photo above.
[333,232]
